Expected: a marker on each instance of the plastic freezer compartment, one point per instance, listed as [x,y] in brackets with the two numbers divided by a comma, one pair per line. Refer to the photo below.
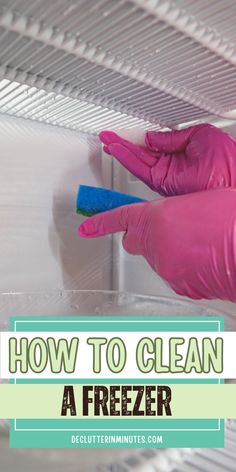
[100,303]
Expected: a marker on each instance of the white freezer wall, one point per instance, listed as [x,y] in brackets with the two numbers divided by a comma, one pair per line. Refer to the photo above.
[41,168]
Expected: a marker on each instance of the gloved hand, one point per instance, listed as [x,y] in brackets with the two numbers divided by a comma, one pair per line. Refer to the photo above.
[190,241]
[198,158]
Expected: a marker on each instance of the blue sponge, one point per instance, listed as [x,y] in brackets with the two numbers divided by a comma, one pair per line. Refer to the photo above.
[92,200]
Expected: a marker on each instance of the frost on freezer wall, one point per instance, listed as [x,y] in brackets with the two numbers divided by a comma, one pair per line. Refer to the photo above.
[41,168]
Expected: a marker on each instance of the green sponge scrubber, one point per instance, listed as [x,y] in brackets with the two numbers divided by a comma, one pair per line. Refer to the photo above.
[92,200]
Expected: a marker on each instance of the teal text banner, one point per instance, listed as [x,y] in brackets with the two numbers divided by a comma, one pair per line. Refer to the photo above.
[103,431]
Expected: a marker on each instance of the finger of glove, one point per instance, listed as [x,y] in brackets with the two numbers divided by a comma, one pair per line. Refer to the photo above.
[109,138]
[131,162]
[169,141]
[107,222]
[106,150]
[131,243]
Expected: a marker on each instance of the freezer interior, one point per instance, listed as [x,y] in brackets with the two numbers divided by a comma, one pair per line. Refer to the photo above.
[69,69]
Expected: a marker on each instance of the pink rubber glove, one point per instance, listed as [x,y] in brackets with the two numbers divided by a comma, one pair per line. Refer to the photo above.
[190,241]
[198,158]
